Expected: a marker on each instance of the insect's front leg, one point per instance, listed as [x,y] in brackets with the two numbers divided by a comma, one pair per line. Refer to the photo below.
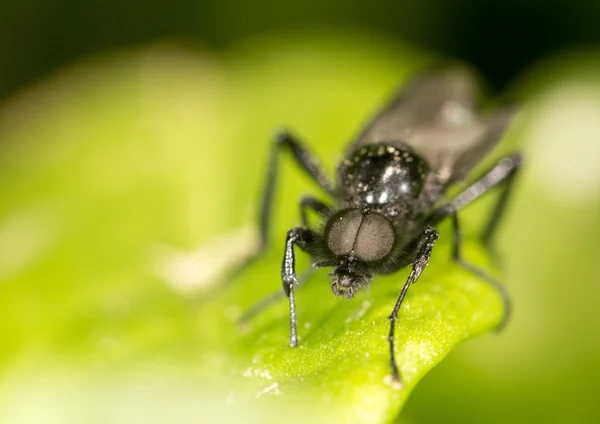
[308,202]
[424,248]
[300,237]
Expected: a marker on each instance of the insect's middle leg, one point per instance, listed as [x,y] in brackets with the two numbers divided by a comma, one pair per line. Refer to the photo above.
[504,174]
[511,170]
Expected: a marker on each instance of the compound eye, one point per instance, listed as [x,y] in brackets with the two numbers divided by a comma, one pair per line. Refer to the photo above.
[342,231]
[375,238]
[369,237]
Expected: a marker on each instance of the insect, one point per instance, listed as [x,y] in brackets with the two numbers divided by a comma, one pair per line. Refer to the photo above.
[390,190]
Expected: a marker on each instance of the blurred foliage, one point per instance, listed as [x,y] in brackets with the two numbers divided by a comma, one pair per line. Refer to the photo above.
[146,157]
[119,173]
[546,367]
[498,37]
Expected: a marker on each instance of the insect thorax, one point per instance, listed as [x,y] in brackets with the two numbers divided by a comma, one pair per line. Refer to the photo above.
[380,174]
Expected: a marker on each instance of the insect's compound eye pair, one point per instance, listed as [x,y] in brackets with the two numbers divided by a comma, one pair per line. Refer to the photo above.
[370,237]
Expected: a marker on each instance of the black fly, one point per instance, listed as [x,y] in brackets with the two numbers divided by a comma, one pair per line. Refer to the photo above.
[390,190]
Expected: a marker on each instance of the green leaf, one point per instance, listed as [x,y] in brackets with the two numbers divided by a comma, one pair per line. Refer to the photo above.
[126,181]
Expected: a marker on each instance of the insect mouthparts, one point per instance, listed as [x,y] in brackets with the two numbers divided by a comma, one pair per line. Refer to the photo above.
[345,283]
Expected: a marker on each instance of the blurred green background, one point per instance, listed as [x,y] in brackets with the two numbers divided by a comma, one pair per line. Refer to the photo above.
[131,132]
[498,37]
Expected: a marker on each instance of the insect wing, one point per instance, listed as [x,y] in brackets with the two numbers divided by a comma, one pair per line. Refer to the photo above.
[437,116]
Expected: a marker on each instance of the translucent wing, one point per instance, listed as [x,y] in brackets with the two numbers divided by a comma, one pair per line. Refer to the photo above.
[437,116]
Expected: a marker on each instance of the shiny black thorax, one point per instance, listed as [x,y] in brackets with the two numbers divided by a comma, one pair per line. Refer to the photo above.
[390,180]
[381,175]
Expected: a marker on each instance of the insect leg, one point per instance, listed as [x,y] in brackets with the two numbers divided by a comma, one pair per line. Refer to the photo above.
[457,256]
[308,163]
[500,207]
[300,237]
[272,298]
[424,249]
[504,172]
[308,202]
[305,203]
